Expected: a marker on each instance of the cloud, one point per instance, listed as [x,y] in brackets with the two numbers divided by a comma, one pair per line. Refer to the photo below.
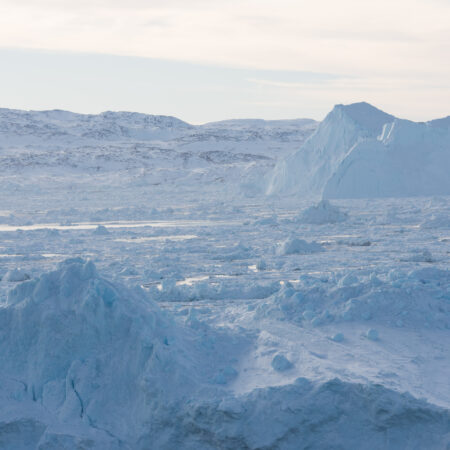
[323,36]
[400,42]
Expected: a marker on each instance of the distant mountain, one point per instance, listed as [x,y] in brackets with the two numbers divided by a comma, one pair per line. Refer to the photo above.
[56,126]
[125,148]
[359,151]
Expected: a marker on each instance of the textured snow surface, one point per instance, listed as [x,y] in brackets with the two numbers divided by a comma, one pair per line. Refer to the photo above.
[153,297]
[415,299]
[359,151]
[134,151]
[323,212]
[107,366]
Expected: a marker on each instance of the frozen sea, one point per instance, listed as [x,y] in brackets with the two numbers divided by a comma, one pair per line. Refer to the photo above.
[152,296]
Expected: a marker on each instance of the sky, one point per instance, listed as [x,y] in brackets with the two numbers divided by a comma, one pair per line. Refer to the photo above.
[204,60]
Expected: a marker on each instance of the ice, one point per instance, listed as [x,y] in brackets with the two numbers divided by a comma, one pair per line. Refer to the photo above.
[261,265]
[280,363]
[16,275]
[101,230]
[421,255]
[436,221]
[372,334]
[294,245]
[210,315]
[88,349]
[226,375]
[323,212]
[359,151]
[338,337]
[418,298]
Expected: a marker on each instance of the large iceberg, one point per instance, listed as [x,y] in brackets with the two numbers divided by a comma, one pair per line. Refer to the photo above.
[359,151]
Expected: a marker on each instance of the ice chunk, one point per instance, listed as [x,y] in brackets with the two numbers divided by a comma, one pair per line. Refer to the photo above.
[338,337]
[372,334]
[322,213]
[261,265]
[280,363]
[16,275]
[101,230]
[294,245]
[226,375]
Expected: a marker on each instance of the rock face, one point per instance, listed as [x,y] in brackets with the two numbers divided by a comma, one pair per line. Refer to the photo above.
[359,151]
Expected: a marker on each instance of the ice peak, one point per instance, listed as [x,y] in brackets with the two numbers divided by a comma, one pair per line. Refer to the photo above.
[364,114]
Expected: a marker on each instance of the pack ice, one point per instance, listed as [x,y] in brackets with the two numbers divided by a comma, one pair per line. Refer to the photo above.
[153,297]
[87,363]
[359,151]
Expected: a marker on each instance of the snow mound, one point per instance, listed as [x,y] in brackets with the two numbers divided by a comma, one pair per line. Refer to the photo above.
[233,253]
[436,221]
[16,275]
[415,299]
[294,245]
[333,414]
[280,363]
[212,290]
[271,220]
[359,151]
[322,213]
[420,255]
[101,230]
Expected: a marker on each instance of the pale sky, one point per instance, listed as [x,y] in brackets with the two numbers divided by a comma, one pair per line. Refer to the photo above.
[204,60]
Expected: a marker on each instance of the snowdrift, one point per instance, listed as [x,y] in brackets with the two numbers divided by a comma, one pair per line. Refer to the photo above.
[359,151]
[333,414]
[87,363]
[296,246]
[413,299]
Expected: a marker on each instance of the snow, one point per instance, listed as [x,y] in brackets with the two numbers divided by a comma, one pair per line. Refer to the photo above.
[294,245]
[338,337]
[323,212]
[359,151]
[418,297]
[152,295]
[101,230]
[280,363]
[72,339]
[16,275]
[372,334]
[78,351]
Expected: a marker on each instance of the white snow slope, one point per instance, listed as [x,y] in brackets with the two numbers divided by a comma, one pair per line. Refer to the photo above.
[359,151]
[123,149]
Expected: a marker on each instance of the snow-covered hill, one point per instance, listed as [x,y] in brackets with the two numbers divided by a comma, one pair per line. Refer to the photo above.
[60,149]
[70,129]
[31,127]
[359,151]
